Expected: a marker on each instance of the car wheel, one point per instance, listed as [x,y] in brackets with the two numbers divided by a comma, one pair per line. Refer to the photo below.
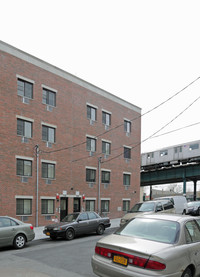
[70,234]
[187,273]
[53,237]
[184,212]
[19,241]
[100,229]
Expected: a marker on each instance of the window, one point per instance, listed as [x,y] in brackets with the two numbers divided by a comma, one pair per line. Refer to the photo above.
[126,205]
[150,155]
[127,126]
[106,148]
[192,231]
[90,175]
[23,206]
[105,206]
[163,153]
[178,149]
[106,118]
[91,144]
[48,97]
[47,206]
[127,153]
[91,113]
[92,216]
[194,146]
[48,170]
[105,177]
[48,134]
[24,128]
[126,179]
[7,222]
[24,89]
[83,217]
[90,205]
[24,167]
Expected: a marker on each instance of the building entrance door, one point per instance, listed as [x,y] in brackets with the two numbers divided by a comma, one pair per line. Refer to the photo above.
[63,207]
[77,207]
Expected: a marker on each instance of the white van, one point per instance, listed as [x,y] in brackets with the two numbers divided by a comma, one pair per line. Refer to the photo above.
[179,201]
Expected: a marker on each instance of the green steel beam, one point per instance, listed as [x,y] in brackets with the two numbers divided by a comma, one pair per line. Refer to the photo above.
[170,175]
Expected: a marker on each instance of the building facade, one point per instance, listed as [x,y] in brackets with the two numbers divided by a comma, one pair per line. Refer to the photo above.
[66,145]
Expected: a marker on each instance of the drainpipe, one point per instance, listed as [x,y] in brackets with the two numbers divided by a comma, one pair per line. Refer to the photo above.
[37,178]
[99,185]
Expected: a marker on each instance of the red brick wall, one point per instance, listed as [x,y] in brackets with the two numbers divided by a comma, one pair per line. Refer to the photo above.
[70,117]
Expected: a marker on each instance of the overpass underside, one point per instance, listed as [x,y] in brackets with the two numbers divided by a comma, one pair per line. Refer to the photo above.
[176,174]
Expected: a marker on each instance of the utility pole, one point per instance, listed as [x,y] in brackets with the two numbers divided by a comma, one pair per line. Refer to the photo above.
[37,181]
[99,185]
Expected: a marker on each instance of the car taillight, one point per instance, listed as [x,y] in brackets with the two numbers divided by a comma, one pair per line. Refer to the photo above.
[132,260]
[31,227]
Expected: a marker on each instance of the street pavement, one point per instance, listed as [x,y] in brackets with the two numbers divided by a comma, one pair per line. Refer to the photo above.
[39,230]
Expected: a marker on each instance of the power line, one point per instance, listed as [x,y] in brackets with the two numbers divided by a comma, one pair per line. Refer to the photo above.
[157,130]
[114,128]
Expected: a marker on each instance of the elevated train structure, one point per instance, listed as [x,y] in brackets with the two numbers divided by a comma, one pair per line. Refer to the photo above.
[178,163]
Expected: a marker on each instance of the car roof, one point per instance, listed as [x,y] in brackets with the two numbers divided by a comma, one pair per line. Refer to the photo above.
[165,216]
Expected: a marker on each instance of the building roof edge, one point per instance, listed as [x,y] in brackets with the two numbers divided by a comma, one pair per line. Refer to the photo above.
[5,47]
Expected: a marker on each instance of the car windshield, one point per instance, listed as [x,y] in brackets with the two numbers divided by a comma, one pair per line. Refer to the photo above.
[164,231]
[70,218]
[143,207]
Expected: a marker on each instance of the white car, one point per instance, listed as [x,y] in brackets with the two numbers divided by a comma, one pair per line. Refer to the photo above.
[166,245]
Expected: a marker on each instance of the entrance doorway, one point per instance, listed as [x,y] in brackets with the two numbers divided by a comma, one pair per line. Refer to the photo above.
[77,207]
[63,207]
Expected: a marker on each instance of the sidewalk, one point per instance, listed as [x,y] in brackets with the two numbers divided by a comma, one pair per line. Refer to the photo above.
[39,230]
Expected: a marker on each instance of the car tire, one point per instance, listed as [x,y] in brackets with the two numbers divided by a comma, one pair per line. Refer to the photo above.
[70,234]
[19,241]
[100,229]
[187,273]
[184,212]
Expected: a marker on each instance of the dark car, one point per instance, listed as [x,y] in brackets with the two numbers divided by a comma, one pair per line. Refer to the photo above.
[193,208]
[77,224]
[15,232]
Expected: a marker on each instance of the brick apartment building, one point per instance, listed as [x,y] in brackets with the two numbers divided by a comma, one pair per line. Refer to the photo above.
[65,144]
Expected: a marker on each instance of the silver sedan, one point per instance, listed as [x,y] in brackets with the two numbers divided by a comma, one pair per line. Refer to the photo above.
[15,232]
[166,245]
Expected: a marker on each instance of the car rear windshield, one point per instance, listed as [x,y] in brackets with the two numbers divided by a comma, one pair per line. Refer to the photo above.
[143,207]
[151,229]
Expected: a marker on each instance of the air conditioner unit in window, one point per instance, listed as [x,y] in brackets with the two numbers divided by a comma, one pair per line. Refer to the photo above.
[49,108]
[25,100]
[24,218]
[24,179]
[49,144]
[24,140]
[126,187]
[105,186]
[91,122]
[106,127]
[127,134]
[91,153]
[48,182]
[91,185]
[47,217]
[106,156]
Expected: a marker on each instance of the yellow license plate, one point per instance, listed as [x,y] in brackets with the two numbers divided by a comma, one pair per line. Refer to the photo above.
[120,260]
[48,234]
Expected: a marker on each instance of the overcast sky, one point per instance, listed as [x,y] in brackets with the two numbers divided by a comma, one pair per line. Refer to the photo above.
[143,51]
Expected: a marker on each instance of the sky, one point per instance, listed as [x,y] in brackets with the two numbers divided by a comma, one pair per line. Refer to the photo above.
[146,52]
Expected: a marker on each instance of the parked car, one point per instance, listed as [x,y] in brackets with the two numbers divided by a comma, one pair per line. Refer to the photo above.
[179,201]
[15,232]
[164,206]
[151,245]
[193,207]
[77,224]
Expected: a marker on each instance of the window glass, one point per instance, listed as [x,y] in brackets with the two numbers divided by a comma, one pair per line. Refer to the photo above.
[127,126]
[24,128]
[127,153]
[27,168]
[126,179]
[90,205]
[91,113]
[106,118]
[193,232]
[105,177]
[126,205]
[104,205]
[83,217]
[48,170]
[24,89]
[47,206]
[106,148]
[92,216]
[90,175]
[24,206]
[194,146]
[91,144]
[48,97]
[24,167]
